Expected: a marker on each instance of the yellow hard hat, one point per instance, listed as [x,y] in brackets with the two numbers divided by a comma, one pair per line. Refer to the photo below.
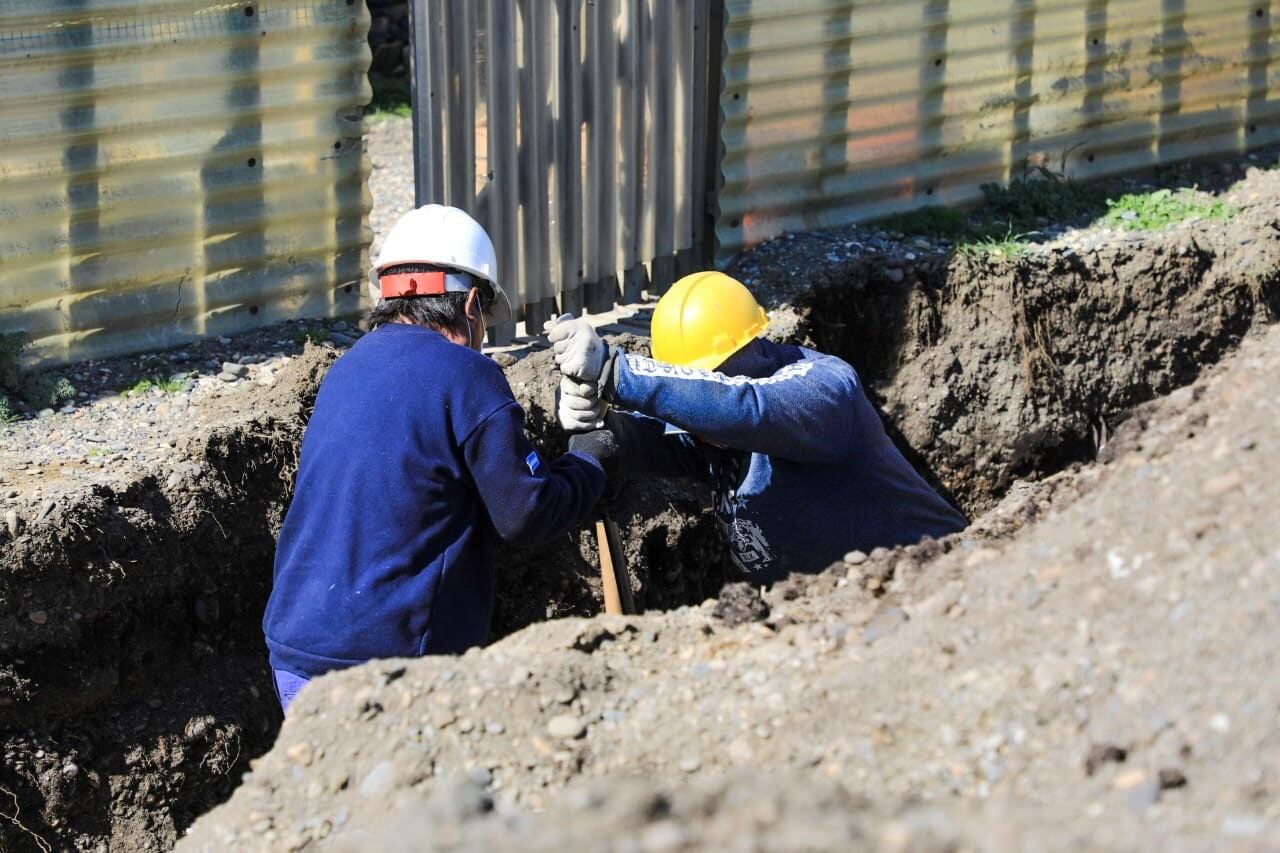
[703,319]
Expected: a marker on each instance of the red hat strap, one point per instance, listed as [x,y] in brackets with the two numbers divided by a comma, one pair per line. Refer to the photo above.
[412,284]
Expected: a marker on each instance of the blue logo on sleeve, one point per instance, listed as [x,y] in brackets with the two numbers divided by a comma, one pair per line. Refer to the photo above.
[533,462]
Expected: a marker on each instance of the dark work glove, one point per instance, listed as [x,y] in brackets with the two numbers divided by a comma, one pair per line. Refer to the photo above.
[602,446]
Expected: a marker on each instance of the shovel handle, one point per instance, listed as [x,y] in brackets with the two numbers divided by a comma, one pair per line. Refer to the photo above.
[615,579]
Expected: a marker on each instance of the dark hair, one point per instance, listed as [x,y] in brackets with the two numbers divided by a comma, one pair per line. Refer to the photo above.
[444,313]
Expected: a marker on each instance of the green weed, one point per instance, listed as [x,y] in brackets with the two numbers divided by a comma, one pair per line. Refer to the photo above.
[38,390]
[1047,195]
[391,99]
[929,222]
[310,336]
[154,383]
[1157,210]
[1006,247]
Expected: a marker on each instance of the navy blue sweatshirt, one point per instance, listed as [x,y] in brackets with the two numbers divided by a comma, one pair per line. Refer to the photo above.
[800,466]
[413,464]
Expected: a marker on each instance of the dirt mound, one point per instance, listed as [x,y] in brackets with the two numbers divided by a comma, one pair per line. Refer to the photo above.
[133,681]
[790,812]
[1047,675]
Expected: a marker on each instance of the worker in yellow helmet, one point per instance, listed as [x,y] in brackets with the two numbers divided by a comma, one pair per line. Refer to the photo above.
[799,463]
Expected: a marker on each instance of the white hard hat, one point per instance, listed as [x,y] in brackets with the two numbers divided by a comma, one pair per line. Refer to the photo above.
[442,236]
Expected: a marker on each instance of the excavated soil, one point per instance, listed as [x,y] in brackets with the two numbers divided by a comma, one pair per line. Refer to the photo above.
[133,684]
[1102,678]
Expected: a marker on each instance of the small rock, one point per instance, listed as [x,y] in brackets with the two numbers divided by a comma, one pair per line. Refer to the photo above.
[341,340]
[1172,777]
[378,781]
[895,275]
[228,377]
[13,522]
[1223,483]
[1103,753]
[884,624]
[1242,826]
[45,509]
[224,341]
[236,370]
[855,558]
[566,726]
[301,754]
[1143,796]
[1220,723]
[690,764]
[38,617]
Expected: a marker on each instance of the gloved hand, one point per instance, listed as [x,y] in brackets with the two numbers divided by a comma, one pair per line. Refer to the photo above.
[579,351]
[602,446]
[579,407]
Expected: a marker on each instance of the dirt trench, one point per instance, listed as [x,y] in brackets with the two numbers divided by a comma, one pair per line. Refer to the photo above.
[133,684]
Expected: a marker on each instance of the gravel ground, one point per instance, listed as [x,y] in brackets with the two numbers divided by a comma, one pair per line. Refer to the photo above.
[1103,678]
[115,424]
[390,142]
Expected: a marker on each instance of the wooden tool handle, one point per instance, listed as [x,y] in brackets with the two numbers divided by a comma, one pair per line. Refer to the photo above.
[608,572]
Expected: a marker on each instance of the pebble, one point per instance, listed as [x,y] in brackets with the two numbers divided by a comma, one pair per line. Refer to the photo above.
[13,523]
[1242,826]
[228,377]
[566,726]
[1143,796]
[895,275]
[690,764]
[38,617]
[1171,778]
[1221,484]
[378,781]
[855,558]
[301,753]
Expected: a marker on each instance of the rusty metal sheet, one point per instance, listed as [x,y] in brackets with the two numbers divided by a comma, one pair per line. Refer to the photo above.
[835,112]
[179,169]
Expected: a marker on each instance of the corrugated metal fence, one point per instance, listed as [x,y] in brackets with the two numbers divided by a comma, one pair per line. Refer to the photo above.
[170,170]
[842,111]
[595,123]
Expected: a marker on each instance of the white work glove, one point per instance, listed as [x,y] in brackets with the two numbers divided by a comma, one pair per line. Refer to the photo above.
[579,351]
[580,408]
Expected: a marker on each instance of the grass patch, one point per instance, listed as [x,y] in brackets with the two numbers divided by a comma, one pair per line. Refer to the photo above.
[153,383]
[1004,247]
[313,336]
[1046,195]
[391,99]
[37,390]
[942,222]
[1008,215]
[1157,210]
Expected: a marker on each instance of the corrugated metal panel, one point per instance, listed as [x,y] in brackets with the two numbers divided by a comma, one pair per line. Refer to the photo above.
[173,169]
[842,111]
[594,116]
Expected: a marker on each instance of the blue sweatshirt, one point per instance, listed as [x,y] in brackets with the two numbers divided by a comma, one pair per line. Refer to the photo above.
[800,466]
[413,463]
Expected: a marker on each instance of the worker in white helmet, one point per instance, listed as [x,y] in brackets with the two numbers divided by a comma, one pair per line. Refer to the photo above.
[414,463]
